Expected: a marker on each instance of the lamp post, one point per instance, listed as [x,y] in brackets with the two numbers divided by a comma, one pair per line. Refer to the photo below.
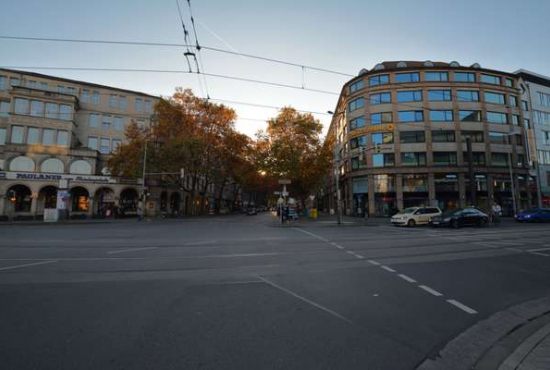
[513,187]
[337,170]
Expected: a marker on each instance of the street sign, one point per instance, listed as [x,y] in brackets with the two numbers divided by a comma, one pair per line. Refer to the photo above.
[277,192]
[284,181]
[285,193]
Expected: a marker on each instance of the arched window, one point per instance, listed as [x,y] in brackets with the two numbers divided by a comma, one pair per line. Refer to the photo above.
[81,167]
[52,165]
[22,164]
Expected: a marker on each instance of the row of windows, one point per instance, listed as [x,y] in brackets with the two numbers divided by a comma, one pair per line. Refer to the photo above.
[417,159]
[437,95]
[437,116]
[50,165]
[103,145]
[544,156]
[439,136]
[86,95]
[37,108]
[544,99]
[410,77]
[97,120]
[33,136]
[541,118]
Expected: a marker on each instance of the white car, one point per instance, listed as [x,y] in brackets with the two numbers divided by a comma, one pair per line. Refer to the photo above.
[413,216]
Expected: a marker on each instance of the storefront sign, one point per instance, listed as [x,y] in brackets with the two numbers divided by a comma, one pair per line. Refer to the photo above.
[37,176]
[379,128]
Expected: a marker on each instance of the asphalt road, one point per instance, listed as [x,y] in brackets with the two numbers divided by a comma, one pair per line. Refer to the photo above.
[240,292]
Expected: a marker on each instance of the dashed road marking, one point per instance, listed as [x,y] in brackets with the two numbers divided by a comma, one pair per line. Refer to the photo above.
[406,278]
[372,262]
[387,268]
[317,305]
[430,290]
[463,307]
[26,265]
[311,234]
[359,256]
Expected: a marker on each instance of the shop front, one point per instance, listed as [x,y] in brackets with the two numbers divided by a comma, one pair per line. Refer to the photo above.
[482,197]
[360,187]
[385,200]
[415,191]
[502,190]
[446,191]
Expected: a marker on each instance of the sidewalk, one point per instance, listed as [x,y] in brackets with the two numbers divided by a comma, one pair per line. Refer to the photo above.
[532,354]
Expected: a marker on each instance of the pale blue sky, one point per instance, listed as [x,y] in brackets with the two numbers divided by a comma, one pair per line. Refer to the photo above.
[344,35]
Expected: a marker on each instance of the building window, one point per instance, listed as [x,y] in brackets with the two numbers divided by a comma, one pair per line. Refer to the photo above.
[382,138]
[356,123]
[33,135]
[441,115]
[17,134]
[356,86]
[498,138]
[22,163]
[526,123]
[544,99]
[119,124]
[70,90]
[92,143]
[415,183]
[52,165]
[541,118]
[513,101]
[478,158]
[410,116]
[359,141]
[122,102]
[490,79]
[21,106]
[413,159]
[519,140]
[439,95]
[521,160]
[15,81]
[105,146]
[60,89]
[113,101]
[80,167]
[509,82]
[379,80]
[497,118]
[546,137]
[2,136]
[412,137]
[467,95]
[116,143]
[44,85]
[37,108]
[378,118]
[48,137]
[437,76]
[407,77]
[4,109]
[65,112]
[3,82]
[106,125]
[383,160]
[95,97]
[381,98]
[544,156]
[525,105]
[52,111]
[85,96]
[499,159]
[444,158]
[495,98]
[355,163]
[443,136]
[475,136]
[409,96]
[515,119]
[139,105]
[94,120]
[62,138]
[353,105]
[31,84]
[469,115]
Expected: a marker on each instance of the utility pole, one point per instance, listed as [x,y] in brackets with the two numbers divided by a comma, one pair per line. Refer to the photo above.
[513,186]
[473,195]
[144,196]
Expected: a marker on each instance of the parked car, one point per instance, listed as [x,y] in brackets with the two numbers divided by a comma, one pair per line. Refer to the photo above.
[413,216]
[460,217]
[534,215]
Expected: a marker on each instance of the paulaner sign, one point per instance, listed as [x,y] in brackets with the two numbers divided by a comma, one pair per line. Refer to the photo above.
[37,176]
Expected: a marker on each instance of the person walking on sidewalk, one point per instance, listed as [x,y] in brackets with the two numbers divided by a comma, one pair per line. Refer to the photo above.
[496,212]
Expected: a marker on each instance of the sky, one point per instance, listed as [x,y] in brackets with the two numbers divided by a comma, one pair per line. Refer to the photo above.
[343,35]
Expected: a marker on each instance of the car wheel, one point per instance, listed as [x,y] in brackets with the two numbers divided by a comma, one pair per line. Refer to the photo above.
[454,224]
[411,223]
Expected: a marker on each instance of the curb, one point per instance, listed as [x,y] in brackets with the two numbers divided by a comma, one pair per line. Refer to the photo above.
[470,347]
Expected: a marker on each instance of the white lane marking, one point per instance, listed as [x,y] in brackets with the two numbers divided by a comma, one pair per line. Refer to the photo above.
[430,290]
[406,278]
[350,252]
[374,263]
[538,250]
[387,268]
[130,250]
[539,254]
[337,245]
[311,234]
[359,256]
[317,305]
[463,307]
[27,264]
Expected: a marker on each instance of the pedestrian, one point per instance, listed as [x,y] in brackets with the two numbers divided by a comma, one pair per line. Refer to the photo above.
[496,212]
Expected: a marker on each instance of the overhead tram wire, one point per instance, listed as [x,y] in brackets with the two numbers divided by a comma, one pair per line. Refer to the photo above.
[176,45]
[198,47]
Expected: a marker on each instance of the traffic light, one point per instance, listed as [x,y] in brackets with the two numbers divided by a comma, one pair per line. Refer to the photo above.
[377,148]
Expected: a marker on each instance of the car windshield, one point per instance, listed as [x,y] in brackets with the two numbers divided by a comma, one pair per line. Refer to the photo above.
[408,210]
[450,212]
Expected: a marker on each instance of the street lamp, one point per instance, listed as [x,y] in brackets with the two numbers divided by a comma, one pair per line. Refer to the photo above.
[514,204]
[337,170]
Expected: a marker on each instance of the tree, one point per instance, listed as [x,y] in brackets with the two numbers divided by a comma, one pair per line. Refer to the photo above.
[292,147]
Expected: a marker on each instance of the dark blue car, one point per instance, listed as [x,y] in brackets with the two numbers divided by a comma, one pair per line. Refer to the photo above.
[534,215]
